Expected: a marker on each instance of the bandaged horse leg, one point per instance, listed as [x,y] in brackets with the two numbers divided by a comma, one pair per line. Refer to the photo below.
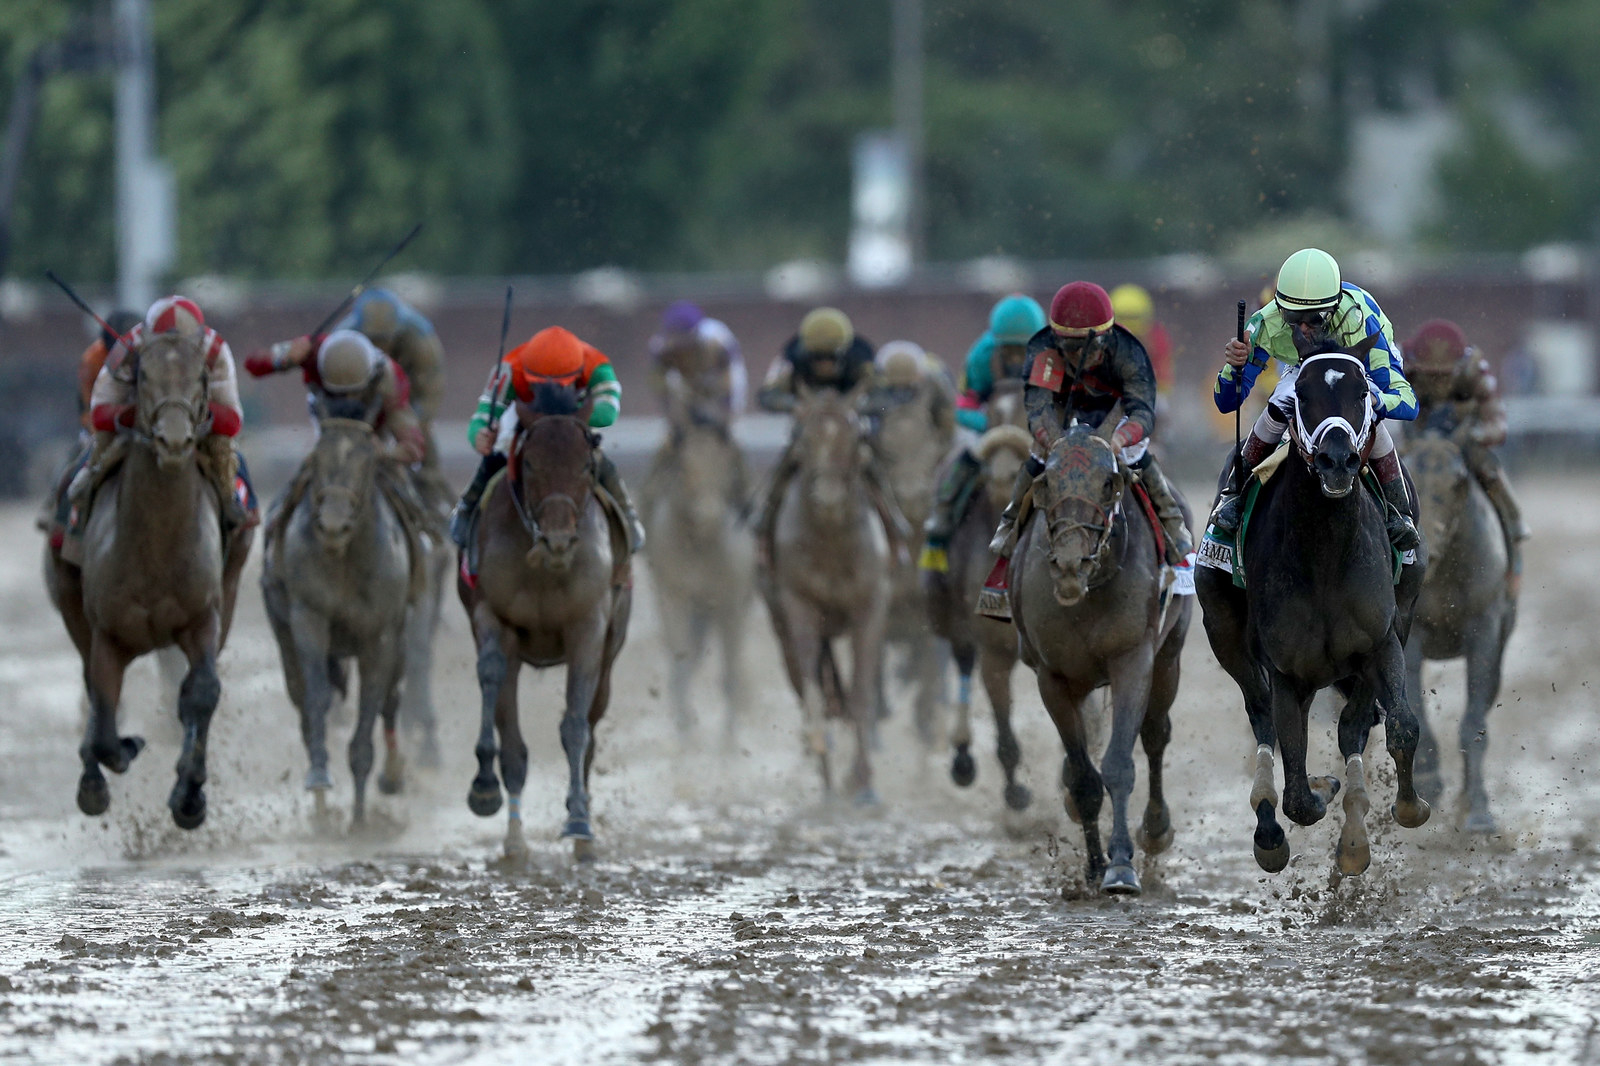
[1264,436]
[963,768]
[1385,464]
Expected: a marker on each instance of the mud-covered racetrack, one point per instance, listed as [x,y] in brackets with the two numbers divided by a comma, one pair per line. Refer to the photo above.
[733,916]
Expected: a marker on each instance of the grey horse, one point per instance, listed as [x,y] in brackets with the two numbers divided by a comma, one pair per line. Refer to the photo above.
[1086,599]
[155,573]
[1467,608]
[830,578]
[702,558]
[336,579]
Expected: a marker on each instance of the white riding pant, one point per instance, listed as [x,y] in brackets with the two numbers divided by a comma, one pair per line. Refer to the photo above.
[1273,422]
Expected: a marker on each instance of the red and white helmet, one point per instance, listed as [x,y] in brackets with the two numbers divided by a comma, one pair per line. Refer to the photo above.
[175,313]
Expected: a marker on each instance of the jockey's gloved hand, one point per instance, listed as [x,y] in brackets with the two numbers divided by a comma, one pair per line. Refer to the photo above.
[1377,398]
[260,363]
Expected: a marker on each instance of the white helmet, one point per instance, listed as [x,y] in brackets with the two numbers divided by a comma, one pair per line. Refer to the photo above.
[348,361]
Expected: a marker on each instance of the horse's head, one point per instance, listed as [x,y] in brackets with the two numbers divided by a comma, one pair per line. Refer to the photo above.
[910,447]
[171,386]
[830,445]
[1080,493]
[1005,404]
[1002,450]
[1443,482]
[555,470]
[1334,422]
[342,469]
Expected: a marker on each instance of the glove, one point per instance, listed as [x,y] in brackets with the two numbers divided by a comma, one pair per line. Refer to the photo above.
[1127,435]
[260,363]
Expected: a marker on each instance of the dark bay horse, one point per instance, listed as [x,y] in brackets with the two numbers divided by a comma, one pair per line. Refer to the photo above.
[977,640]
[1321,609]
[155,573]
[1467,609]
[830,579]
[551,589]
[336,579]
[1087,601]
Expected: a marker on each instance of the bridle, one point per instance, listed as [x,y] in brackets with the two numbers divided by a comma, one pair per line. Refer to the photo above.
[331,427]
[529,517]
[198,410]
[1307,441]
[1102,529]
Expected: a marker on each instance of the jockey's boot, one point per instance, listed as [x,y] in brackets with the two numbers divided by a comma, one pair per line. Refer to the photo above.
[220,465]
[610,480]
[1004,541]
[1402,531]
[105,451]
[949,504]
[461,519]
[1179,542]
[1229,511]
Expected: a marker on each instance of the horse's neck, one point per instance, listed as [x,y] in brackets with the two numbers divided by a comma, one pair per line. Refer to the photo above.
[154,502]
[1316,520]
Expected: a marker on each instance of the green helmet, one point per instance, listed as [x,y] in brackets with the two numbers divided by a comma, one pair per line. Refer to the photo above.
[1015,319]
[1308,281]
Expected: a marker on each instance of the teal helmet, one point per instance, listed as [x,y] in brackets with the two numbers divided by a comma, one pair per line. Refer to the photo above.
[1015,319]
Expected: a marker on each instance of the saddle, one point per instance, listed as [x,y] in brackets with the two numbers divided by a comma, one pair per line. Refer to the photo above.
[1222,553]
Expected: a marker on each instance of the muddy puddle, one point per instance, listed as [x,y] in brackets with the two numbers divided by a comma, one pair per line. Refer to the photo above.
[734,916]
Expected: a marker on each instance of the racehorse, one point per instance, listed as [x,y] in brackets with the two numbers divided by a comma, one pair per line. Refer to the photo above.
[552,588]
[1467,608]
[910,448]
[155,573]
[337,582]
[975,639]
[829,578]
[702,558]
[1322,607]
[1089,607]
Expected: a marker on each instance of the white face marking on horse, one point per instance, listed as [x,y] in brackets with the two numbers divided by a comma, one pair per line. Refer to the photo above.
[1333,377]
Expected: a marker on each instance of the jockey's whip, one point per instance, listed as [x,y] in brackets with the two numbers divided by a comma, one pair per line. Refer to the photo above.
[1238,437]
[360,288]
[85,308]
[499,359]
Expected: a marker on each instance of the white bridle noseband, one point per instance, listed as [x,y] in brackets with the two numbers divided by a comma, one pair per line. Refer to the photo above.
[1312,438]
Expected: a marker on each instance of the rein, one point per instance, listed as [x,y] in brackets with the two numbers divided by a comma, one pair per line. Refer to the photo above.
[1103,529]
[527,517]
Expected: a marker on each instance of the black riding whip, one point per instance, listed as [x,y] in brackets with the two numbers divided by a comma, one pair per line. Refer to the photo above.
[85,308]
[361,287]
[1238,384]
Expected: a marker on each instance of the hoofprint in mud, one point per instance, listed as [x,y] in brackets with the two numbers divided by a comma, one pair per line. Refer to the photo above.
[731,917]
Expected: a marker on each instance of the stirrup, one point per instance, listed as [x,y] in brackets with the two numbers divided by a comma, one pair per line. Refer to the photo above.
[1225,515]
[1004,541]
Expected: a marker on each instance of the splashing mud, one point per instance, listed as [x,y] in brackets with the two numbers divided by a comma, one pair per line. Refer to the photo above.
[734,916]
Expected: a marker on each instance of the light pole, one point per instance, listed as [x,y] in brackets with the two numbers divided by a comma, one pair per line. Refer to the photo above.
[145,211]
[906,16]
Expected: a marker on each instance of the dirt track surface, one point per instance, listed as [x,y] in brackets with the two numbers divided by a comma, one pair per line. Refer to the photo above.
[734,916]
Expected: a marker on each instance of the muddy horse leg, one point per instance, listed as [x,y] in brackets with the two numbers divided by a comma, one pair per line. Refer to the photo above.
[310,632]
[1155,832]
[1485,649]
[583,848]
[1084,787]
[380,668]
[497,651]
[513,757]
[1291,703]
[995,670]
[963,768]
[1130,697]
[104,668]
[1429,783]
[585,646]
[802,648]
[197,702]
[1400,731]
[416,690]
[1356,719]
[866,679]
[735,687]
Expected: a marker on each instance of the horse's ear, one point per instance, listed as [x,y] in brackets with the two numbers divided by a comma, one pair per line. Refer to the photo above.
[587,408]
[1365,346]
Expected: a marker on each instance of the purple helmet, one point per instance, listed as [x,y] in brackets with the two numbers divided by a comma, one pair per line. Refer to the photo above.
[681,317]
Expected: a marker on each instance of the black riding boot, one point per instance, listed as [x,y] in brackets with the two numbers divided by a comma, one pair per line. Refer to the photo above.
[466,511]
[1229,511]
[1004,541]
[949,504]
[610,480]
[1402,531]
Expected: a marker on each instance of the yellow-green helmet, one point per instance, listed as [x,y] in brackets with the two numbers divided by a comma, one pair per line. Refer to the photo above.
[1133,306]
[826,331]
[1308,281]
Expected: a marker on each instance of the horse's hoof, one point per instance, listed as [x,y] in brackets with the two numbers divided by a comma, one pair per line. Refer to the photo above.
[188,810]
[1430,786]
[94,795]
[583,851]
[865,796]
[131,747]
[484,799]
[1412,815]
[391,786]
[1272,860]
[963,768]
[1480,822]
[1354,858]
[1324,788]
[1157,842]
[318,780]
[577,829]
[1120,880]
[1018,797]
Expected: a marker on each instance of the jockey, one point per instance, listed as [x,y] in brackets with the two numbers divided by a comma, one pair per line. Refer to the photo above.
[998,355]
[113,405]
[826,353]
[903,372]
[1457,395]
[1311,305]
[1136,311]
[705,355]
[551,355]
[1081,366]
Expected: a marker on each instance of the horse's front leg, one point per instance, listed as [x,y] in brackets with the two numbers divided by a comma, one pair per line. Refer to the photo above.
[1130,696]
[1429,782]
[380,663]
[1356,720]
[105,665]
[1084,788]
[197,702]
[1486,647]
[1400,730]
[995,668]
[963,768]
[585,646]
[866,681]
[311,633]
[1291,703]
[497,663]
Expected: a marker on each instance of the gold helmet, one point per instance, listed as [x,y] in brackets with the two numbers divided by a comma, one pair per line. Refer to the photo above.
[826,331]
